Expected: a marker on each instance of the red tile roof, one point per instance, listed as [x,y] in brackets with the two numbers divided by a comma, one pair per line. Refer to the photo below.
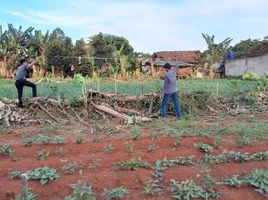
[183,56]
[259,50]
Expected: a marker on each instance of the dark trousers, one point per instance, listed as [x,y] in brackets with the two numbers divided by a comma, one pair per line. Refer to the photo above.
[20,84]
[176,102]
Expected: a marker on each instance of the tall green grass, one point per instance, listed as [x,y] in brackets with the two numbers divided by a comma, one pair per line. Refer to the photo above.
[69,89]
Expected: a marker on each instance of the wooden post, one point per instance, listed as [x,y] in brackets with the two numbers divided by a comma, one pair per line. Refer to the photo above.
[217,92]
[24,187]
[152,68]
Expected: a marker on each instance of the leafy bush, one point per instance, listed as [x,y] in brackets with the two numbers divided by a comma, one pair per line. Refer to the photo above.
[78,78]
[251,76]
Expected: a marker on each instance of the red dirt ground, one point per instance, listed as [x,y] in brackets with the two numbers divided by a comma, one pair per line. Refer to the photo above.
[106,177]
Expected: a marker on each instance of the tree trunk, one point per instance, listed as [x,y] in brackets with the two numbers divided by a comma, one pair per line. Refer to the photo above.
[53,70]
[3,71]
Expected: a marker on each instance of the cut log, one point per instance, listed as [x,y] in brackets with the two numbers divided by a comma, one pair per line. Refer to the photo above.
[112,112]
[128,119]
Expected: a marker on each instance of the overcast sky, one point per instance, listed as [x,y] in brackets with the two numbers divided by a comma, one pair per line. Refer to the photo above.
[149,25]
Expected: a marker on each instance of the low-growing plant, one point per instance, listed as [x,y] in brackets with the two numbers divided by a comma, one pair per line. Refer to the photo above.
[128,146]
[28,142]
[108,148]
[97,139]
[152,187]
[187,190]
[95,163]
[209,182]
[135,133]
[218,141]
[44,174]
[177,142]
[5,149]
[234,181]
[70,168]
[233,156]
[81,191]
[237,156]
[177,161]
[204,147]
[132,164]
[42,155]
[79,139]
[31,196]
[59,140]
[244,140]
[161,165]
[45,139]
[260,156]
[115,193]
[217,159]
[258,179]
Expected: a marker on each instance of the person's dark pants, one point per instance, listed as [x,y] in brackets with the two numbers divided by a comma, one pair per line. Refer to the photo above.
[20,84]
[176,102]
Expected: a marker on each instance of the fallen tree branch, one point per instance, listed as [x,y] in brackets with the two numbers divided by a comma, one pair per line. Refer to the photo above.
[54,118]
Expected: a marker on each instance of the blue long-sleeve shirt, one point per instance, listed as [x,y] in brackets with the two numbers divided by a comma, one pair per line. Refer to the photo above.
[21,72]
[170,80]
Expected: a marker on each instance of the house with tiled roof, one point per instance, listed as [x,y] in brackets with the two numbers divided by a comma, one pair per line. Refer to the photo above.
[187,60]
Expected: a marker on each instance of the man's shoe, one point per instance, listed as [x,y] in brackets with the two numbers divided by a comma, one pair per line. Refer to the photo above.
[20,105]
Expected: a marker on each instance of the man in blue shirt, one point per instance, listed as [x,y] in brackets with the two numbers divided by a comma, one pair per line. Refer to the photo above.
[21,81]
[170,90]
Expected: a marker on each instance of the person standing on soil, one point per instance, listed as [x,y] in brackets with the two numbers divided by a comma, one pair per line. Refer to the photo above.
[21,81]
[170,90]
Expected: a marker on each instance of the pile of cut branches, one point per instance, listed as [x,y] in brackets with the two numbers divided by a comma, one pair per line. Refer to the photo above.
[130,109]
[39,110]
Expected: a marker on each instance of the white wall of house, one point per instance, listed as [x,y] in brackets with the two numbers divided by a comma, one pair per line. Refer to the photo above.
[239,67]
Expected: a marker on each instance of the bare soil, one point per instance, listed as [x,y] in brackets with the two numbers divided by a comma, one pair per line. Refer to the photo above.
[104,176]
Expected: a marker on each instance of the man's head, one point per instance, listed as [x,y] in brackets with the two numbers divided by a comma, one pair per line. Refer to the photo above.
[167,66]
[23,61]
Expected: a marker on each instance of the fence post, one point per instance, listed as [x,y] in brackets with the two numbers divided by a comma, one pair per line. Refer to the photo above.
[24,187]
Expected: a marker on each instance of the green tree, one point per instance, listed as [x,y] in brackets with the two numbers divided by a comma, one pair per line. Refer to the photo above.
[59,52]
[106,48]
[242,48]
[84,64]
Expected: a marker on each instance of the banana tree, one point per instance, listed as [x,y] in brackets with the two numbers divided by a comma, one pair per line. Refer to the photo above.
[215,52]
[13,44]
[114,69]
[37,46]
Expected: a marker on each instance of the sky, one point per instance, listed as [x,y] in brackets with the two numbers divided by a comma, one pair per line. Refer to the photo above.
[149,25]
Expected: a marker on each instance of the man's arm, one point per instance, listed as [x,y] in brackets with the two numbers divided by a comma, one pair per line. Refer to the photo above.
[32,62]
